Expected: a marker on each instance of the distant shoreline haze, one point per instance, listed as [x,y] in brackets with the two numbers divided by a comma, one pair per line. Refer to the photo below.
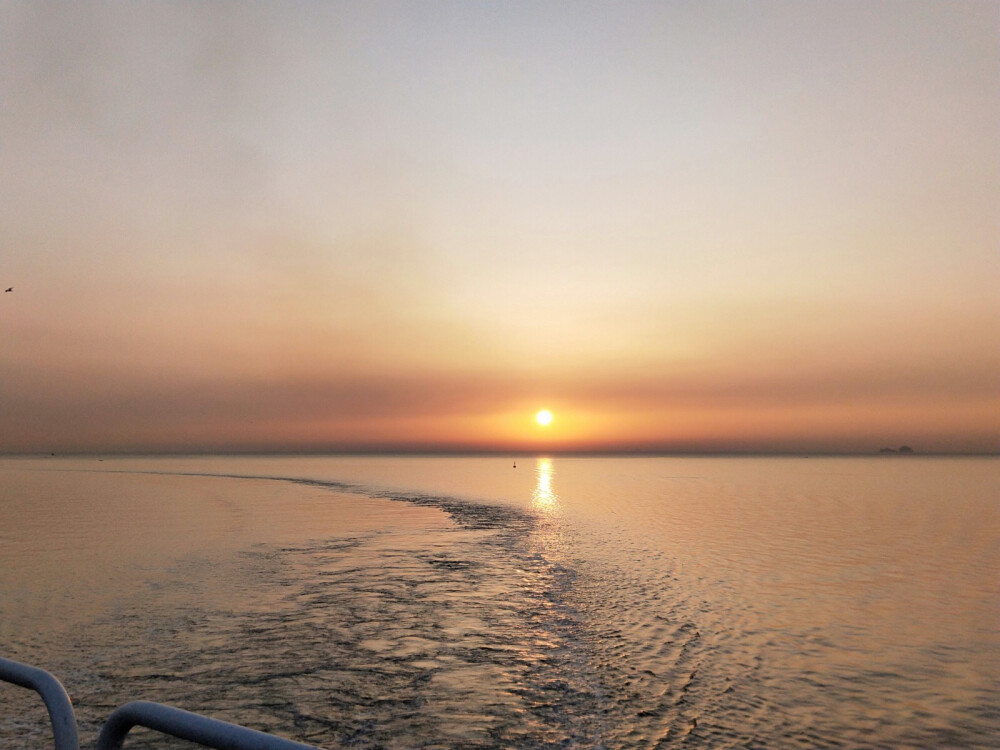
[527,451]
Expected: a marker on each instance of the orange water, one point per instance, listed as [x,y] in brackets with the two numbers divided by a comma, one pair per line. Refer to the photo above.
[459,602]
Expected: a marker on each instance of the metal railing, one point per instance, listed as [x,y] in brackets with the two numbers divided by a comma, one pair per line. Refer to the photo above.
[157,716]
[53,693]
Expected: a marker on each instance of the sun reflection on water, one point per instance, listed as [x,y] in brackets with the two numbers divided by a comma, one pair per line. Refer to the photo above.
[543,498]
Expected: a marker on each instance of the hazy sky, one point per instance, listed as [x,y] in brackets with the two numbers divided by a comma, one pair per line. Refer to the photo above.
[678,225]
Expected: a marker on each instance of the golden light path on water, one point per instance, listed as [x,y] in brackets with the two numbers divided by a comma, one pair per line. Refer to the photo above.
[542,497]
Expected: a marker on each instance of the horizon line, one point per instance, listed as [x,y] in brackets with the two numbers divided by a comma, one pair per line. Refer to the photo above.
[457,452]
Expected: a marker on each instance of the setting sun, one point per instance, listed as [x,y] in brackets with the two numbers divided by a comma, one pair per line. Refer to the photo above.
[544,417]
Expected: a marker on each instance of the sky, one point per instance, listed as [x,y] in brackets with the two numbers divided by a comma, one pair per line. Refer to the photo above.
[679,226]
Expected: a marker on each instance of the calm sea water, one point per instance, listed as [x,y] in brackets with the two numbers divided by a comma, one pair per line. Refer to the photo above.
[462,603]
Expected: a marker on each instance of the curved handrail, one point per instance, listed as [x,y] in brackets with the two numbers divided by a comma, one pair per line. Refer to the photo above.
[187,726]
[56,699]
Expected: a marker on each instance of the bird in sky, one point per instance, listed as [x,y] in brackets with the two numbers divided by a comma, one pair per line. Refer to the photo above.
[8,289]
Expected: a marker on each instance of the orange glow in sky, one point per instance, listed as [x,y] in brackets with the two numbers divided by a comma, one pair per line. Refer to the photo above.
[410,226]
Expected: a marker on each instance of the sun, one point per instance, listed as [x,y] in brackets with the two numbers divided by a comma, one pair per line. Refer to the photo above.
[544,417]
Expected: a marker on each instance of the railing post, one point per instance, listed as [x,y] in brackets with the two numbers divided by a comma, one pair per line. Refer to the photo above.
[53,693]
[186,726]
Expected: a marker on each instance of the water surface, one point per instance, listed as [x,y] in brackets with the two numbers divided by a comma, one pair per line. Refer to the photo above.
[459,602]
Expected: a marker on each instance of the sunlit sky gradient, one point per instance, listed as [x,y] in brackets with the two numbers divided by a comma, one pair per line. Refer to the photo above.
[684,226]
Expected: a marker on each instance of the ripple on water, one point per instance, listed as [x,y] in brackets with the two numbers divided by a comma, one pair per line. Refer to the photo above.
[500,630]
[450,637]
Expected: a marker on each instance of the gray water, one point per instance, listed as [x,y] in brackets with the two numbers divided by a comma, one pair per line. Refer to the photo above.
[462,603]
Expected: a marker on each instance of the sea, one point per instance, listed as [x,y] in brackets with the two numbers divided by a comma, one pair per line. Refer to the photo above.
[465,602]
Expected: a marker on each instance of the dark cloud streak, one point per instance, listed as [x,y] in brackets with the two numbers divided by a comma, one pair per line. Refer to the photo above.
[105,414]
